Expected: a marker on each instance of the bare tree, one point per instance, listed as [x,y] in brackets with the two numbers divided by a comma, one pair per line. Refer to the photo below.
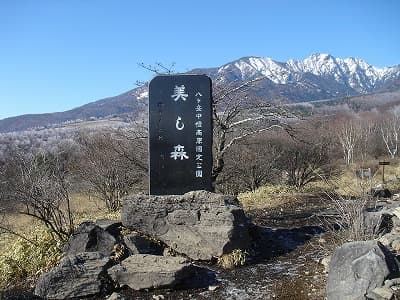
[38,186]
[305,159]
[112,164]
[348,136]
[304,163]
[367,131]
[131,144]
[390,129]
[250,164]
[237,114]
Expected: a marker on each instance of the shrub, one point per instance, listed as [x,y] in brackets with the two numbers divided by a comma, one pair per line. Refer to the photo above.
[38,184]
[351,223]
[112,165]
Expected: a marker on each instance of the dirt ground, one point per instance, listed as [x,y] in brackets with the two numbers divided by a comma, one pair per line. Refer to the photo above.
[285,264]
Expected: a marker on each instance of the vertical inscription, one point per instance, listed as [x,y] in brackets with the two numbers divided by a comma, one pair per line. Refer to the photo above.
[180,129]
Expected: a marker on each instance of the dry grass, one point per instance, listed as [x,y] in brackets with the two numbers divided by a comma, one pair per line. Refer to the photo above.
[86,207]
[267,196]
[348,184]
[85,203]
[83,208]
[22,261]
[234,259]
[17,221]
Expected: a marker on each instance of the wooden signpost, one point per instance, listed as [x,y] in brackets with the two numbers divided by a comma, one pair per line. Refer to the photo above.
[180,134]
[383,164]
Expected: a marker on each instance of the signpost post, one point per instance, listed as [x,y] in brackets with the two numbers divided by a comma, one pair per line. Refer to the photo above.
[383,164]
[180,134]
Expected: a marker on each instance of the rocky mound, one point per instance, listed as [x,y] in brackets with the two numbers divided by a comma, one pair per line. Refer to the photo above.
[99,259]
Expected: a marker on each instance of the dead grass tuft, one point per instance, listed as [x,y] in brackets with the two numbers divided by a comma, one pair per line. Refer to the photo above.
[234,259]
[267,196]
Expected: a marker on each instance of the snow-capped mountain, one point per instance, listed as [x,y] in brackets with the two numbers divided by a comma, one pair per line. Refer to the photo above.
[320,76]
[316,77]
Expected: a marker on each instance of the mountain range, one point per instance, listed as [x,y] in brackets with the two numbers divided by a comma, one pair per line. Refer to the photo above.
[318,77]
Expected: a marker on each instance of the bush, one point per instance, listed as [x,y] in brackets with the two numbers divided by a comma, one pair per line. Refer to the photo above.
[37,184]
[351,223]
[248,166]
[112,165]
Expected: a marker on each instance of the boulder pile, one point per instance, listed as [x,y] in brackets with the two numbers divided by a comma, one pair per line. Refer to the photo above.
[100,258]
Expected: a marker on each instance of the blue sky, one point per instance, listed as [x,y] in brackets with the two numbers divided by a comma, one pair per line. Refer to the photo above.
[56,55]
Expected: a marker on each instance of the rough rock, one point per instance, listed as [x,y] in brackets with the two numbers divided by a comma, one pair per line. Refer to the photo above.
[138,244]
[113,227]
[90,238]
[198,224]
[76,276]
[381,293]
[381,193]
[116,296]
[396,218]
[357,268]
[391,240]
[396,245]
[144,271]
[379,220]
[396,212]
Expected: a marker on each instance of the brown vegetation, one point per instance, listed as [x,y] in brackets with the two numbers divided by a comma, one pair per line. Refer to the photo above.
[274,167]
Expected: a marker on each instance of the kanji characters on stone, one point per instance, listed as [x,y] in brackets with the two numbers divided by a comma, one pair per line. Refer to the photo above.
[179,153]
[179,93]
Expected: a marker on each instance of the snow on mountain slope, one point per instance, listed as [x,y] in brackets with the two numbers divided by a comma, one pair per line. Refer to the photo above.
[320,76]
[353,73]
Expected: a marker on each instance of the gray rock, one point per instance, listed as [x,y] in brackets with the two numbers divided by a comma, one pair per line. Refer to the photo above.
[138,244]
[76,276]
[395,245]
[357,268]
[116,296]
[381,193]
[90,238]
[381,293]
[113,227]
[388,239]
[379,221]
[198,224]
[144,271]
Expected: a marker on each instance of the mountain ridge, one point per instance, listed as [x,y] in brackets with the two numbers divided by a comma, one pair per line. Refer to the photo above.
[319,76]
[353,72]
